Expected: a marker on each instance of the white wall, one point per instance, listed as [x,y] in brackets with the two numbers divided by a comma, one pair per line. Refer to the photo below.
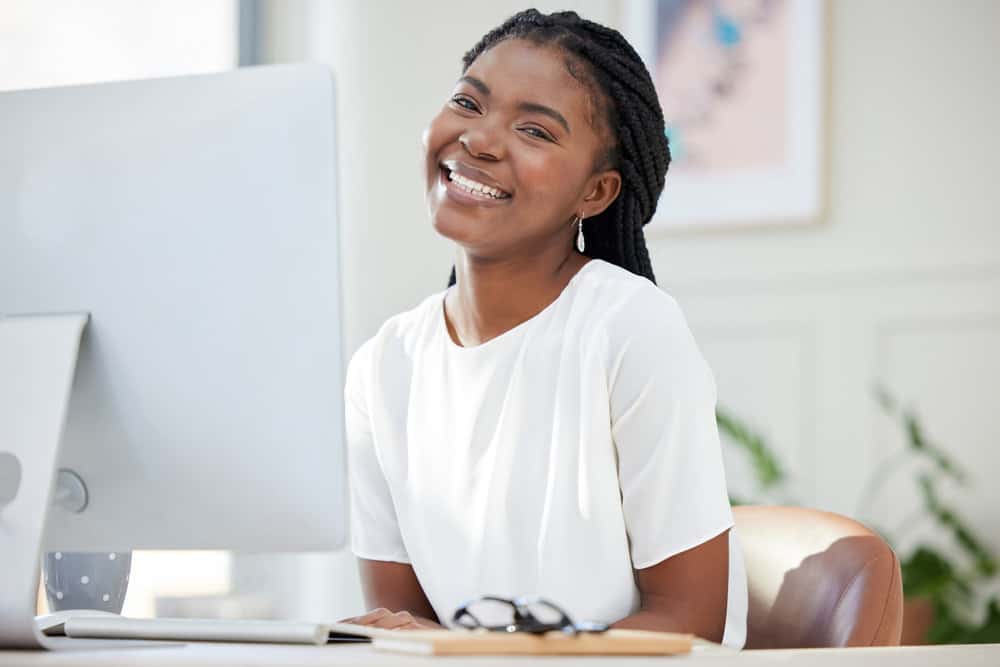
[899,281]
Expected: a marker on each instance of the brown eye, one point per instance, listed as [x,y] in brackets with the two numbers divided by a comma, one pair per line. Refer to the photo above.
[464,102]
[538,133]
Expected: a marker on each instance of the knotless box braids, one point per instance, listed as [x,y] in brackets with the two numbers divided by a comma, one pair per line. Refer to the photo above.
[628,113]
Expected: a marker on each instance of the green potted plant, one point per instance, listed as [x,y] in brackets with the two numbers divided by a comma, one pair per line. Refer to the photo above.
[939,590]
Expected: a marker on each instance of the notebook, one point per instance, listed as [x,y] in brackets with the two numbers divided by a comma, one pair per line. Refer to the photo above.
[612,642]
[424,642]
[112,626]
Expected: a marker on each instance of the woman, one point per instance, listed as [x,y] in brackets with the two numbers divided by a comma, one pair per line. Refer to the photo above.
[546,425]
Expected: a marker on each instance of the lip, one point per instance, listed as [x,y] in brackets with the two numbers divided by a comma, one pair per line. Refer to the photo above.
[476,174]
[461,196]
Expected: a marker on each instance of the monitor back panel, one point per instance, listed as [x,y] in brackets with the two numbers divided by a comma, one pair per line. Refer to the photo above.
[194,219]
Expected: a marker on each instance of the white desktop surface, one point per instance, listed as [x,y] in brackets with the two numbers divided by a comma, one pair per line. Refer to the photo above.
[196,655]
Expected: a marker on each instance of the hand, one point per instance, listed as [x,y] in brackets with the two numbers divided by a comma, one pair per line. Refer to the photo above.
[399,620]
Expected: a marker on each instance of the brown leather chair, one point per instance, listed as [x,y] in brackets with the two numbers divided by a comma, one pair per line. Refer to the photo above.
[817,579]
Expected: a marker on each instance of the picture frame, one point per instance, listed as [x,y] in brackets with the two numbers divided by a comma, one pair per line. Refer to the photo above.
[741,86]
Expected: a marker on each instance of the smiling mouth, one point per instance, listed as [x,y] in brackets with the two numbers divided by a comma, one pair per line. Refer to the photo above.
[474,188]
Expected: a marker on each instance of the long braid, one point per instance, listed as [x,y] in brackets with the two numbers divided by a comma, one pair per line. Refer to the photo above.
[638,145]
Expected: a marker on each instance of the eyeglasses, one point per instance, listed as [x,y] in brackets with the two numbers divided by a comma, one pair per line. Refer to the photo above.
[527,614]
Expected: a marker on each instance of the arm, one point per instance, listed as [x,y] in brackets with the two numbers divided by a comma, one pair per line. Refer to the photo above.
[685,593]
[663,399]
[395,597]
[389,583]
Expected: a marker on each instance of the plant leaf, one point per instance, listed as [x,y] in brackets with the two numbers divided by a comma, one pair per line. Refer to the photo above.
[884,398]
[919,443]
[927,573]
[989,631]
[765,464]
[966,538]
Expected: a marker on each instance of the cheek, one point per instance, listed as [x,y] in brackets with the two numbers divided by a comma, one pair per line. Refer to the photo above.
[438,134]
[537,168]
[554,178]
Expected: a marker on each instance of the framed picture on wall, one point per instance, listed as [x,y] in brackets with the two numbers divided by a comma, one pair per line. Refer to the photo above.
[740,83]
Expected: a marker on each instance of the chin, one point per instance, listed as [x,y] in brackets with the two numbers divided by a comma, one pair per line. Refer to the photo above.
[453,227]
[466,232]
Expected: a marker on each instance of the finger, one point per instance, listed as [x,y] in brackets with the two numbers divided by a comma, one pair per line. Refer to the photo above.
[411,626]
[371,617]
[388,623]
[394,621]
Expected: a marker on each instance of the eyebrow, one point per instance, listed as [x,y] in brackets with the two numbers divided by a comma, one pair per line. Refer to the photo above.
[529,107]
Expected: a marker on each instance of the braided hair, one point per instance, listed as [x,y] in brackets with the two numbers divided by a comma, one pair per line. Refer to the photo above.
[601,59]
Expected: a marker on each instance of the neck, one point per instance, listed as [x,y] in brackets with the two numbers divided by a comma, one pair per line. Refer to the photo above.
[492,296]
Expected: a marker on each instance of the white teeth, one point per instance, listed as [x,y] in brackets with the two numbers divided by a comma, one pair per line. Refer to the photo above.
[475,186]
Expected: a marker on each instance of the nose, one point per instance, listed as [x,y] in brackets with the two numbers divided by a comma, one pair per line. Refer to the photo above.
[482,142]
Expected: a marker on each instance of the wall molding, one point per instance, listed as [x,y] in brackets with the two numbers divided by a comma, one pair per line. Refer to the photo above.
[812,281]
[802,337]
[884,331]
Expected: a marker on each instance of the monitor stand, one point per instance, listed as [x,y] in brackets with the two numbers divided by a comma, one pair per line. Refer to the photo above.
[38,355]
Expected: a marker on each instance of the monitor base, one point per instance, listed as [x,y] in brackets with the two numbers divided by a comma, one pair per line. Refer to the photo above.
[38,355]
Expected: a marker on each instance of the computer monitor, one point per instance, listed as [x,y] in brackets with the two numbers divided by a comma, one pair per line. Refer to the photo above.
[194,219]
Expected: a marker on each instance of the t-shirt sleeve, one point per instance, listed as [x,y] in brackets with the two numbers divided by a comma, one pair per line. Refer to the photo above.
[663,398]
[375,531]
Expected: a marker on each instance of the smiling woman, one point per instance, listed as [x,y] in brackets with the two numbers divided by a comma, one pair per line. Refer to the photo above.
[546,425]
[498,131]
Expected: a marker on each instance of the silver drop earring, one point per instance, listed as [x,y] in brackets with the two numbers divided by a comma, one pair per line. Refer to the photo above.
[580,245]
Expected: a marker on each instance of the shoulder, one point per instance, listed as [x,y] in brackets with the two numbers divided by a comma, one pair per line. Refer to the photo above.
[398,336]
[628,306]
[644,328]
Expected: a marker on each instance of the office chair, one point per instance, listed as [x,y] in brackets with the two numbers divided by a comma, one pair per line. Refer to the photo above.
[817,579]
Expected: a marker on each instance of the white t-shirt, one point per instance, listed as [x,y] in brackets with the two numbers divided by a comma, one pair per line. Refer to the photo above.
[550,460]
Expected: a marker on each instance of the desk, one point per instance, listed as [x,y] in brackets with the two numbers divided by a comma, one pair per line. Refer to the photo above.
[198,655]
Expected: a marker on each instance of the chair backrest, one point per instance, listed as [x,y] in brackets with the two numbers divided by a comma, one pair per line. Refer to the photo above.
[817,579]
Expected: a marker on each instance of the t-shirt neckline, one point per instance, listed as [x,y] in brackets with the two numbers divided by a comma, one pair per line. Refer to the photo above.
[510,333]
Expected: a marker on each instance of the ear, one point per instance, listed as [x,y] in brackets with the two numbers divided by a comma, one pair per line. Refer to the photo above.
[601,191]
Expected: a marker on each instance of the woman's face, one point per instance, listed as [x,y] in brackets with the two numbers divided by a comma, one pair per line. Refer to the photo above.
[510,158]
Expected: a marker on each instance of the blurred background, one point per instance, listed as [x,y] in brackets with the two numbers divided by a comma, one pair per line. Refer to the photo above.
[856,342]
